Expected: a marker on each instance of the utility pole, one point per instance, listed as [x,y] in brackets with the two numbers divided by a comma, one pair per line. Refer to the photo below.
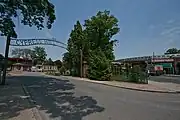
[152,60]
[6,59]
[81,66]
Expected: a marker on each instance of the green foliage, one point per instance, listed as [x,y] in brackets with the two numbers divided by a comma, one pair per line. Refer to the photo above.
[1,56]
[62,70]
[49,62]
[30,12]
[39,54]
[99,66]
[96,42]
[100,29]
[1,61]
[75,43]
[133,74]
[58,63]
[67,61]
[172,51]
[18,52]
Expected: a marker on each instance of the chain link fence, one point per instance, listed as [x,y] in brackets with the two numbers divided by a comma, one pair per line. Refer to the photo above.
[129,73]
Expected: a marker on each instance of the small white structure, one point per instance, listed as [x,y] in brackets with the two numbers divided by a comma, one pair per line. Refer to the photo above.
[44,68]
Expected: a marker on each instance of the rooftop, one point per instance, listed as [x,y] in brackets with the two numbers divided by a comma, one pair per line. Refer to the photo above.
[146,58]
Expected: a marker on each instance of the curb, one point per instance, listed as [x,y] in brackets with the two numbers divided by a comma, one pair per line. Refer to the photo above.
[171,75]
[136,89]
[34,110]
[155,91]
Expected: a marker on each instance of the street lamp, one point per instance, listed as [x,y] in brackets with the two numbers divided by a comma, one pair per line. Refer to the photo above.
[6,59]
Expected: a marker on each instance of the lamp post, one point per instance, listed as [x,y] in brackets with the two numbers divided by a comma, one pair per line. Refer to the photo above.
[6,60]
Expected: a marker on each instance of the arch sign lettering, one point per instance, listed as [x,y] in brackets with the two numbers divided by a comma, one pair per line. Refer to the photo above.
[30,42]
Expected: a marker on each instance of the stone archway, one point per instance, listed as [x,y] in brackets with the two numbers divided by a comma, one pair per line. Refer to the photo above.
[31,42]
[27,42]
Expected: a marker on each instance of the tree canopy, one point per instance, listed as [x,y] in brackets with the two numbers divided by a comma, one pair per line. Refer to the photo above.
[58,63]
[30,12]
[39,54]
[95,40]
[24,53]
[172,51]
[75,43]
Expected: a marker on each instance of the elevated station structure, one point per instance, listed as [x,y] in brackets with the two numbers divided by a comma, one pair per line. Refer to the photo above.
[170,62]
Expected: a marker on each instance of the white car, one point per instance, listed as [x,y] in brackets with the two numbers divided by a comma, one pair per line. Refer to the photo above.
[33,69]
[39,70]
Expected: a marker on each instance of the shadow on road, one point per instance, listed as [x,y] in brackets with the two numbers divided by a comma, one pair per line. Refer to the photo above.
[57,99]
[12,99]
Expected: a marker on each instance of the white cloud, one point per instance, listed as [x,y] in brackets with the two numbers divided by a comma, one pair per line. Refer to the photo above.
[170,21]
[170,41]
[170,33]
[172,30]
[151,26]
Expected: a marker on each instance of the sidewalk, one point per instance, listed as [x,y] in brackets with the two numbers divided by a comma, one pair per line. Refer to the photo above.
[171,75]
[14,104]
[151,87]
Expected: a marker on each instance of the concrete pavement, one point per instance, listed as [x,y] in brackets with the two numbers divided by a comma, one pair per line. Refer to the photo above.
[67,99]
[166,79]
[14,103]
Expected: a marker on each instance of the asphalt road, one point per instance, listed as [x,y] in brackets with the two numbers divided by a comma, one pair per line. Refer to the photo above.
[62,99]
[175,79]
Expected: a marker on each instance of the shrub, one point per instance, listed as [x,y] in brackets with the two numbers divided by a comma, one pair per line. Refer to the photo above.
[134,74]
[99,66]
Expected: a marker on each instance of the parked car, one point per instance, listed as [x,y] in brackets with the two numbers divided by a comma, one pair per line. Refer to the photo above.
[33,69]
[156,70]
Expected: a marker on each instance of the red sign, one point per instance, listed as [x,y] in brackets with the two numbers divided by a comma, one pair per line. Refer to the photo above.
[163,60]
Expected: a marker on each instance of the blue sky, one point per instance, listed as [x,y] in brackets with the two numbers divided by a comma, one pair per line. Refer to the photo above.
[146,25]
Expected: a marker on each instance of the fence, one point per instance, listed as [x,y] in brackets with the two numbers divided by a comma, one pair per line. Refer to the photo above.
[129,73]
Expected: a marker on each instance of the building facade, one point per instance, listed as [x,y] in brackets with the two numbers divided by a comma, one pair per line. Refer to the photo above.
[19,64]
[170,62]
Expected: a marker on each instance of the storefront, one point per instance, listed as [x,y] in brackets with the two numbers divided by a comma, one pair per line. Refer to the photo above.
[19,64]
[167,67]
[167,63]
[21,67]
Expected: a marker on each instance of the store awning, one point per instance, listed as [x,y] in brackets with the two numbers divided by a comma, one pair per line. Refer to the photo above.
[166,65]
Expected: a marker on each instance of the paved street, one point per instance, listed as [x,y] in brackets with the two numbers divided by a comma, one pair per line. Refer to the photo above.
[175,79]
[78,100]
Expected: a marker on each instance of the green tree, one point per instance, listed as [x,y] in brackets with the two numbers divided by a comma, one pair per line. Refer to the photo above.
[96,43]
[58,63]
[75,43]
[99,65]
[39,55]
[172,51]
[66,61]
[50,62]
[1,64]
[179,51]
[30,12]
[18,52]
[99,31]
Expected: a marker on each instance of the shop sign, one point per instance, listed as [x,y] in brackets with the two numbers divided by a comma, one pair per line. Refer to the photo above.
[163,60]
